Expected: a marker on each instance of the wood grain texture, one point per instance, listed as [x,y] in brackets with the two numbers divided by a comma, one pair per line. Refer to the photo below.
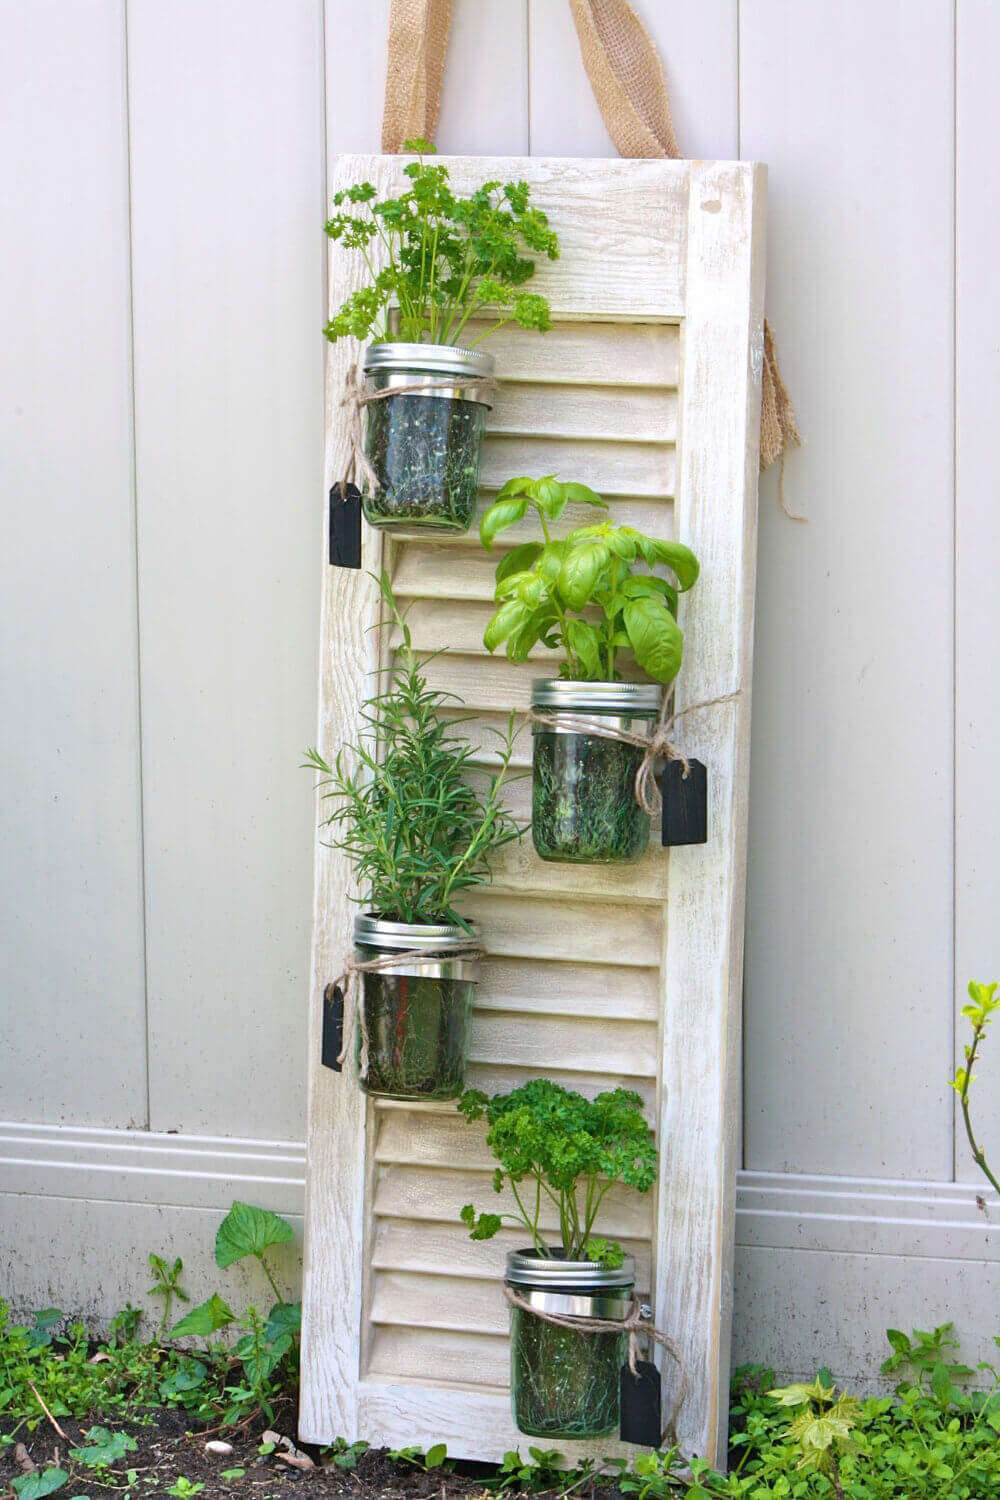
[977,558]
[409,1323]
[337,1118]
[643,206]
[71,933]
[716,513]
[850,963]
[229,414]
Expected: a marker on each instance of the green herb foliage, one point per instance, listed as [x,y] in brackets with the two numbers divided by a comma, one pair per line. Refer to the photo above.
[591,593]
[809,1442]
[217,1385]
[408,814]
[583,800]
[446,257]
[984,1003]
[563,1384]
[417,1030]
[167,1285]
[426,455]
[569,1151]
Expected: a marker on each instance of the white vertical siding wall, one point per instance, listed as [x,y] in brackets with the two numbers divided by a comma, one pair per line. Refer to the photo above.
[163,262]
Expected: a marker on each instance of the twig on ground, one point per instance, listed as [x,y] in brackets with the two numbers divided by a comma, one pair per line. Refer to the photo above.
[45,1409]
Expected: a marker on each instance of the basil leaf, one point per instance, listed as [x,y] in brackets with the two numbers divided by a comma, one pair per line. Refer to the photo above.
[501,514]
[681,559]
[582,494]
[518,559]
[584,642]
[509,617]
[656,638]
[580,572]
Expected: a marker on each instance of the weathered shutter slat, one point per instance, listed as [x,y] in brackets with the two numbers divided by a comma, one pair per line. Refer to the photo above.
[645,386]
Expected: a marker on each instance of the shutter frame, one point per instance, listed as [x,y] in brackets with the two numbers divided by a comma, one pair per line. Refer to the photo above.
[679,243]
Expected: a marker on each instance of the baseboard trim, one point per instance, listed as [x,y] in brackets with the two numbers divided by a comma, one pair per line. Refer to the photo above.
[780,1210]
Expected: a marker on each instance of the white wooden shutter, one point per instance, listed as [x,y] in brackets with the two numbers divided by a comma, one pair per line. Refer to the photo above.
[647,388]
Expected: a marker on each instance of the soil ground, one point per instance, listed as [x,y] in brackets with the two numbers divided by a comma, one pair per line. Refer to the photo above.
[169,1449]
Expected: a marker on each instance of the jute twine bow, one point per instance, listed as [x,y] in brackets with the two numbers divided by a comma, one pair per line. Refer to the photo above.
[633,1324]
[357,395]
[347,984]
[656,746]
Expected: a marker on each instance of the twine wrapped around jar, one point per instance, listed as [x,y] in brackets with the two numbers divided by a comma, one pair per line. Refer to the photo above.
[634,1324]
[347,984]
[656,746]
[357,396]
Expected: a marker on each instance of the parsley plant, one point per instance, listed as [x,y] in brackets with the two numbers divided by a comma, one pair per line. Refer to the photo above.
[447,258]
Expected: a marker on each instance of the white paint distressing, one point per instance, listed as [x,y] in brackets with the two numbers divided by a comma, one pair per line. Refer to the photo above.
[687,246]
[71,924]
[227,208]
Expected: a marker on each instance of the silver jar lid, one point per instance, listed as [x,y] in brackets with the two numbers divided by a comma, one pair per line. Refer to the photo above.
[373,932]
[638,699]
[429,359]
[554,1273]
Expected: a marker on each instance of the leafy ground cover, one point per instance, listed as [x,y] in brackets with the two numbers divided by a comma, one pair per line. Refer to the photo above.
[138,1418]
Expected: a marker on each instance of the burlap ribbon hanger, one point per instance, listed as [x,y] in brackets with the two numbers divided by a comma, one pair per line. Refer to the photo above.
[627,79]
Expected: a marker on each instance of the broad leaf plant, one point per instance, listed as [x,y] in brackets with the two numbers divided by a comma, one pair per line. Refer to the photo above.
[592,594]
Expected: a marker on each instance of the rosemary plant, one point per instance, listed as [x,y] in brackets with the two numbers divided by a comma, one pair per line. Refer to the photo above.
[407,810]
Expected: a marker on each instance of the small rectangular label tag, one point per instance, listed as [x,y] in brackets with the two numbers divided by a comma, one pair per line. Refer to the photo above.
[333,1028]
[640,1405]
[345,526]
[685,803]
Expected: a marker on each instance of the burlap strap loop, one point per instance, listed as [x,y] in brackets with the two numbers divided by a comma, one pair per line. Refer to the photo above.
[634,1324]
[626,76]
[418,43]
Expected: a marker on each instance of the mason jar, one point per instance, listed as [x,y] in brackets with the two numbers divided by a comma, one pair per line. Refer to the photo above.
[565,1383]
[425,444]
[412,1034]
[583,805]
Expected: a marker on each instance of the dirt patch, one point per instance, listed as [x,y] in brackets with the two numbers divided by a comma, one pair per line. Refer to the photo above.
[167,1450]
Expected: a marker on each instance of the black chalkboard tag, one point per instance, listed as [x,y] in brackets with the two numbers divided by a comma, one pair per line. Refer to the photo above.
[640,1405]
[333,1027]
[685,803]
[345,526]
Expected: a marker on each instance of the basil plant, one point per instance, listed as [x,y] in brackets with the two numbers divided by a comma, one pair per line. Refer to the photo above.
[592,593]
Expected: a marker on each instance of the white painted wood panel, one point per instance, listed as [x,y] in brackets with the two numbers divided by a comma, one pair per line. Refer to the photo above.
[977,558]
[227,109]
[701,261]
[849,968]
[72,1022]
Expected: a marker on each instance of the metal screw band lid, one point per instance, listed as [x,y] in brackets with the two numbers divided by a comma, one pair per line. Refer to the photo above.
[374,932]
[429,359]
[554,1272]
[635,698]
